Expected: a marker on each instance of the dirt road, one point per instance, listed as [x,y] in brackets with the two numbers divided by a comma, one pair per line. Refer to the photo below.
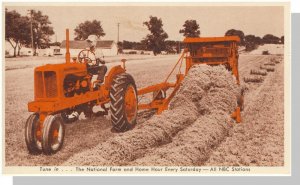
[86,134]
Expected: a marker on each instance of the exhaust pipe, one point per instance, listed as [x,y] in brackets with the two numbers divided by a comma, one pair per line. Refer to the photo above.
[67,47]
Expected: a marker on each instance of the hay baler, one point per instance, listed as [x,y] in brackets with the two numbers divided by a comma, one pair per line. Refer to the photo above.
[204,50]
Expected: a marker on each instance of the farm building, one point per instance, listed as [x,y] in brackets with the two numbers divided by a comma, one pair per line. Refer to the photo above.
[104,47]
[108,47]
[75,47]
[53,50]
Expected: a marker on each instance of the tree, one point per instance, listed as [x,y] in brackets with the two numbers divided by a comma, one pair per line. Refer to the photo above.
[132,45]
[233,32]
[127,44]
[120,47]
[250,42]
[17,30]
[250,38]
[270,39]
[54,44]
[24,33]
[11,28]
[41,30]
[155,41]
[172,46]
[191,29]
[140,46]
[282,39]
[84,30]
[258,40]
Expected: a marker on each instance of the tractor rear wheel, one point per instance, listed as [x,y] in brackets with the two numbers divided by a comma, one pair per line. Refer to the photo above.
[53,134]
[33,134]
[123,102]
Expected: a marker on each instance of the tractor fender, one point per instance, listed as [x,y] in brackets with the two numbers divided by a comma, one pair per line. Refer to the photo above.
[112,73]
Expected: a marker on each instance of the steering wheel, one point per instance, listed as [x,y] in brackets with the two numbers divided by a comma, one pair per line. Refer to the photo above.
[84,56]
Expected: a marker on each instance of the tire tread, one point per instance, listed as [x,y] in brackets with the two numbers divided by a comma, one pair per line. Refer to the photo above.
[117,93]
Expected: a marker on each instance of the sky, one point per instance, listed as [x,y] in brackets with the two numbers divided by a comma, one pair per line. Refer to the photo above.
[213,20]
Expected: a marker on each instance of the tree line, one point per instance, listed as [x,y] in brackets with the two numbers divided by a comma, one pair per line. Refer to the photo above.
[251,42]
[35,31]
[156,40]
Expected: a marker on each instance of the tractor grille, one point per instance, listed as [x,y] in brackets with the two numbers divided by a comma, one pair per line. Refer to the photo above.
[46,81]
[50,84]
[39,87]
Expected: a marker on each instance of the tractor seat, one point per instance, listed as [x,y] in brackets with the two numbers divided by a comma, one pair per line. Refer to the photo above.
[93,69]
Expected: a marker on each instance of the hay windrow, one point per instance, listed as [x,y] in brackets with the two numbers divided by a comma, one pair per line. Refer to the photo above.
[192,146]
[205,90]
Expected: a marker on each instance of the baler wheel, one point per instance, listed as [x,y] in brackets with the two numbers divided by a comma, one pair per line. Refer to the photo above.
[123,102]
[53,134]
[33,134]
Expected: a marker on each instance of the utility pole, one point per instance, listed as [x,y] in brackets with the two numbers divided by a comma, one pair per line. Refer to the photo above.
[118,38]
[118,32]
[31,32]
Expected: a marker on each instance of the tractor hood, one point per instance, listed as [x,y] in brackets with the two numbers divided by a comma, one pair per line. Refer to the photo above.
[71,68]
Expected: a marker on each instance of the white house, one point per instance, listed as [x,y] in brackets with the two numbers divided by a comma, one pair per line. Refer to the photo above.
[75,47]
[108,47]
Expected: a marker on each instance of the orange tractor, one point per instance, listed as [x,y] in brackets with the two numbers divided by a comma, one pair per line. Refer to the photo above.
[62,89]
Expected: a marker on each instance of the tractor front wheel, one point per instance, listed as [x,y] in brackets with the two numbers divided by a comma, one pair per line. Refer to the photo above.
[33,134]
[123,102]
[53,134]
